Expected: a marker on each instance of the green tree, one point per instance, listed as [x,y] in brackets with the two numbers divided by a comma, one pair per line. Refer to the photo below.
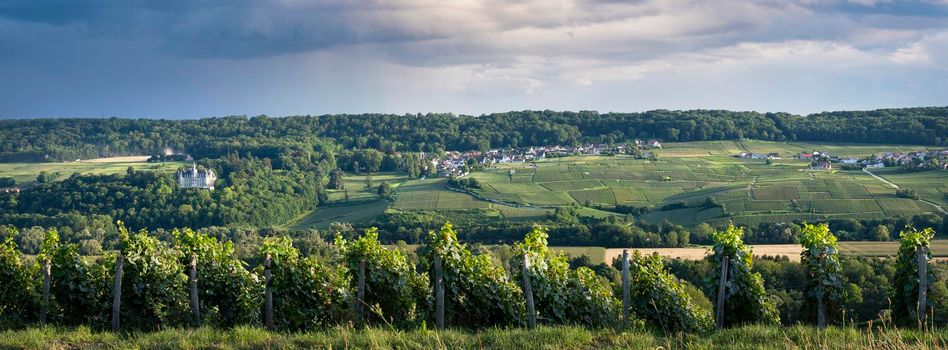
[385,190]
[880,233]
[44,177]
[336,180]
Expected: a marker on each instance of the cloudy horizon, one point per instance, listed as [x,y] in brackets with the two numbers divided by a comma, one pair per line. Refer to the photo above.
[190,59]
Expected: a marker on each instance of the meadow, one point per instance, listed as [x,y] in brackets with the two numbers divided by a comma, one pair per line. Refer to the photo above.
[27,172]
[745,337]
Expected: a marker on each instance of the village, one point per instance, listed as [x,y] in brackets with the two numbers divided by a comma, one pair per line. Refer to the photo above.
[821,160]
[460,163]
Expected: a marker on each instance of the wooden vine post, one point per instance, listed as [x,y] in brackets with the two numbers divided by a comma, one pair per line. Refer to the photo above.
[47,269]
[117,292]
[820,312]
[192,282]
[268,279]
[922,285]
[821,305]
[626,287]
[439,292]
[528,293]
[360,292]
[722,289]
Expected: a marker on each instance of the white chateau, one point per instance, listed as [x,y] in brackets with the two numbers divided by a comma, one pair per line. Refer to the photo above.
[195,178]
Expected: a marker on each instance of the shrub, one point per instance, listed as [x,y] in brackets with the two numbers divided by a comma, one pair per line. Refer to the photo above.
[904,293]
[79,290]
[477,292]
[154,286]
[745,297]
[229,294]
[306,293]
[820,261]
[659,297]
[562,295]
[907,193]
[395,293]
[18,299]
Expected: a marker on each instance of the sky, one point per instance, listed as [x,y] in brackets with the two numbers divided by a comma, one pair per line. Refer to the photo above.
[205,58]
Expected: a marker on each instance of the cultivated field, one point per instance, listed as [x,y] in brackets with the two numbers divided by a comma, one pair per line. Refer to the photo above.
[748,191]
[687,174]
[792,251]
[27,172]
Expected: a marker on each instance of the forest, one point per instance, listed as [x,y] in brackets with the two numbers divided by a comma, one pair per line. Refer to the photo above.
[262,136]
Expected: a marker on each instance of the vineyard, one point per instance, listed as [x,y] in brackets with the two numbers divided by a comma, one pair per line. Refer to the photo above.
[194,280]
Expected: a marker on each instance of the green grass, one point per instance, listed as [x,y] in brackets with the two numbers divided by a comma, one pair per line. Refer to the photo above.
[746,337]
[27,172]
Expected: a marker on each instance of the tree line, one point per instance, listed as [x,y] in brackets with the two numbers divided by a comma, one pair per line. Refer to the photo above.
[69,139]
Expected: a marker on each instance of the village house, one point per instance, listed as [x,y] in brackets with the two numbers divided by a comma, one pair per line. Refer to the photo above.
[10,190]
[821,166]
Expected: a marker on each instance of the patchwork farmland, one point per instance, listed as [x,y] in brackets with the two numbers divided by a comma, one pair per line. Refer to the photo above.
[686,175]
[675,187]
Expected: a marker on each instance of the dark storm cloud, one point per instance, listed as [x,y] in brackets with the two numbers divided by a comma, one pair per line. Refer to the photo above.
[226,29]
[204,57]
[421,32]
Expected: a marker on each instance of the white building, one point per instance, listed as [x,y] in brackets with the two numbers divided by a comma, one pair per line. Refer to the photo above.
[195,178]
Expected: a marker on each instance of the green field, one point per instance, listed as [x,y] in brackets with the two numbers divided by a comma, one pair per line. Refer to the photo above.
[27,172]
[749,191]
[323,216]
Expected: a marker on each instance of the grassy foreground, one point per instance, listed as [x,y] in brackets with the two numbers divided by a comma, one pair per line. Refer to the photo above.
[748,337]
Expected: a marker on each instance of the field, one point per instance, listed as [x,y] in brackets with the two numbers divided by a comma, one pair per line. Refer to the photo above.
[748,191]
[687,174]
[27,172]
[792,251]
[745,337]
[323,216]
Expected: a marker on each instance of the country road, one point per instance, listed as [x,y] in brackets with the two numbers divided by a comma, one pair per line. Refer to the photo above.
[942,210]
[880,179]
